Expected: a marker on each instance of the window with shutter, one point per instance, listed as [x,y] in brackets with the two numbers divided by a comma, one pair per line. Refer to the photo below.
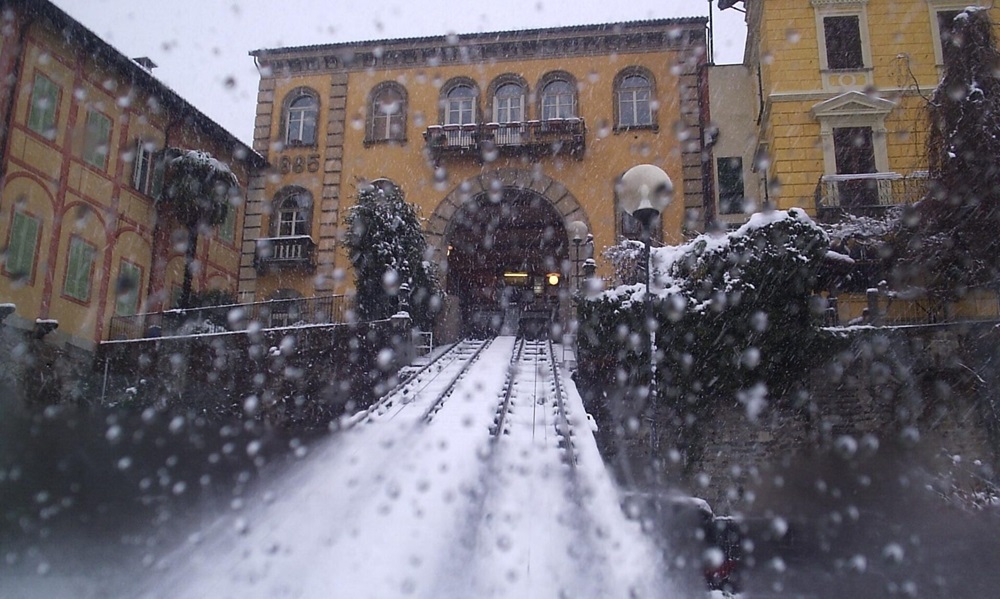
[44,101]
[79,269]
[97,139]
[21,246]
[127,289]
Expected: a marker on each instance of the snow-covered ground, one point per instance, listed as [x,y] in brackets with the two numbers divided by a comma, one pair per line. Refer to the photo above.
[420,500]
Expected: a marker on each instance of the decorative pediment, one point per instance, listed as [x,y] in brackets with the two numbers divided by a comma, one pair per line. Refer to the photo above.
[852,104]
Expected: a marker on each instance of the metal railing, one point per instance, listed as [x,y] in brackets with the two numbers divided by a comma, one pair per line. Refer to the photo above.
[295,251]
[331,309]
[869,193]
[552,136]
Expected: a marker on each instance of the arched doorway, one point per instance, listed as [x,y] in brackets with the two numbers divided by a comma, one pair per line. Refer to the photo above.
[508,263]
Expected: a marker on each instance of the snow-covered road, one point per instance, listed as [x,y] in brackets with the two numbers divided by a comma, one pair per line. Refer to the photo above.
[420,499]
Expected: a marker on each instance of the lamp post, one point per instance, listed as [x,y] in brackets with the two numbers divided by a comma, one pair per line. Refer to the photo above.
[577,233]
[644,191]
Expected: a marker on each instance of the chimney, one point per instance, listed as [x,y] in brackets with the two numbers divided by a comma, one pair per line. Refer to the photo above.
[144,62]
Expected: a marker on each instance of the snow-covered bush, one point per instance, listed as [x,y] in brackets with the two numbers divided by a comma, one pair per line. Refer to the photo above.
[731,313]
[387,249]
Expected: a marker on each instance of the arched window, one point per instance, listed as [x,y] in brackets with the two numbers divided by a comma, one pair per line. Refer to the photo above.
[558,98]
[460,105]
[386,186]
[292,212]
[387,113]
[508,103]
[301,110]
[634,99]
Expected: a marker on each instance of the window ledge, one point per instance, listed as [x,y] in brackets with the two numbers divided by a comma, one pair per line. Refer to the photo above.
[384,142]
[850,70]
[298,146]
[655,128]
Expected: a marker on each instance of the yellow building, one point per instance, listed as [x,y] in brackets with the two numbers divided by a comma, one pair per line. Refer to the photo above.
[828,112]
[837,90]
[502,139]
[83,237]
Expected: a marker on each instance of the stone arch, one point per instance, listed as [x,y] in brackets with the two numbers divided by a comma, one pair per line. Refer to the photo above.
[561,198]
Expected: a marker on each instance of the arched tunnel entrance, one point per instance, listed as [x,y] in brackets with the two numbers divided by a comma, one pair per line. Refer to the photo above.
[506,263]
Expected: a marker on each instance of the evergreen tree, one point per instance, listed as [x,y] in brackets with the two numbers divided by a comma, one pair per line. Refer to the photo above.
[956,243]
[387,249]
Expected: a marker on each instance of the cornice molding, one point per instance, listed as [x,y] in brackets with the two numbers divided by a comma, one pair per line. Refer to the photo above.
[825,3]
[677,38]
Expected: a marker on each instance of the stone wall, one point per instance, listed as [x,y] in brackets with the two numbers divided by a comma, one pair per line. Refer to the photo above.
[926,390]
[304,375]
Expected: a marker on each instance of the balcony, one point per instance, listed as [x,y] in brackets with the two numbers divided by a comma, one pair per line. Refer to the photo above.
[293,252]
[869,194]
[535,139]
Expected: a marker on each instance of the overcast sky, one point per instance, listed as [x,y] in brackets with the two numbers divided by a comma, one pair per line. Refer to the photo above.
[201,46]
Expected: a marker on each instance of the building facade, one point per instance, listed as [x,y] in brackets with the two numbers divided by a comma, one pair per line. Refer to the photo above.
[501,140]
[83,127]
[829,113]
[837,95]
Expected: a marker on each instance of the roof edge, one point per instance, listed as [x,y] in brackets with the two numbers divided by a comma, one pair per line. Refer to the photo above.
[488,36]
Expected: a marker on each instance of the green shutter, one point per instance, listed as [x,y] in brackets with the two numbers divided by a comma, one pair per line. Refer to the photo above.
[21,248]
[81,260]
[227,230]
[44,97]
[98,139]
[127,289]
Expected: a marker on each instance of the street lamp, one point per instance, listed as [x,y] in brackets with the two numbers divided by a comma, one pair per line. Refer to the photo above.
[577,233]
[644,191]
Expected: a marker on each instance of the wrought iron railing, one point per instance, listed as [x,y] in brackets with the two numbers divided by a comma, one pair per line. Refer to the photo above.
[548,137]
[868,194]
[297,251]
[330,309]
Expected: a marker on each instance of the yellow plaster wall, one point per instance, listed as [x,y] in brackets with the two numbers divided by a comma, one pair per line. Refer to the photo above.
[590,180]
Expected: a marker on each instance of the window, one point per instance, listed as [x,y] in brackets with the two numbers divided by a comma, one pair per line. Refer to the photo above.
[148,168]
[300,118]
[558,100]
[127,289]
[634,93]
[843,42]
[945,31]
[731,193]
[79,269]
[21,246]
[227,228]
[387,118]
[293,211]
[386,187]
[460,108]
[508,104]
[854,152]
[44,101]
[97,139]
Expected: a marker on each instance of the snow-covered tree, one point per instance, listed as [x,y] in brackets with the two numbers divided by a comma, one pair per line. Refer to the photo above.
[956,243]
[388,250]
[199,189]
[734,316]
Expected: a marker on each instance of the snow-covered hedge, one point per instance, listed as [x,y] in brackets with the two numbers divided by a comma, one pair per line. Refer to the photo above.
[731,312]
